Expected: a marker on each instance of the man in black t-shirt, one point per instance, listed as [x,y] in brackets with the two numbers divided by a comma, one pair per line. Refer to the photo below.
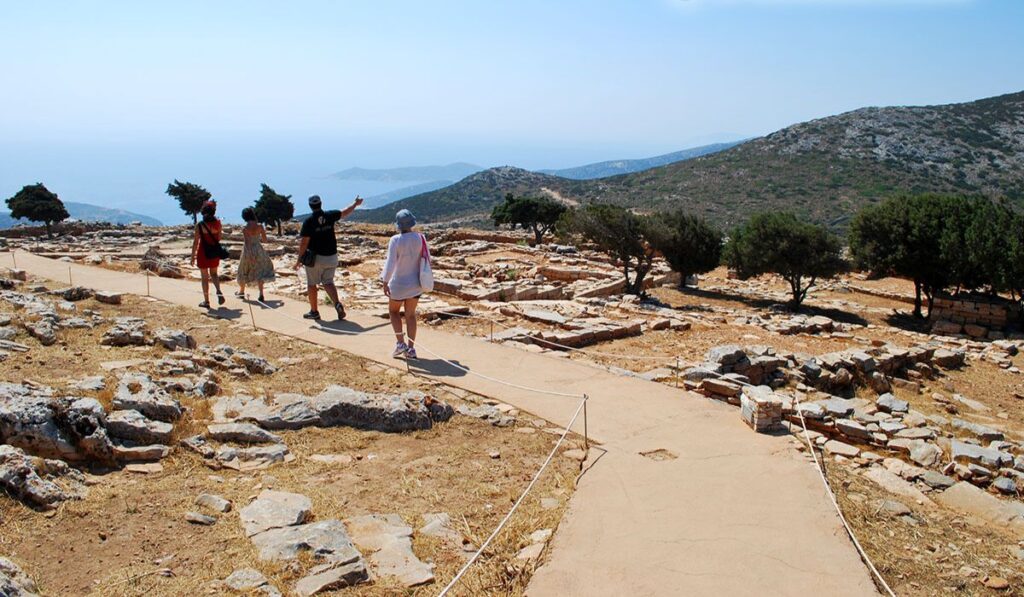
[318,238]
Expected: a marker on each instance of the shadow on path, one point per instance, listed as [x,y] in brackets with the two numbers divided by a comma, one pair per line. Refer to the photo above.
[345,327]
[436,367]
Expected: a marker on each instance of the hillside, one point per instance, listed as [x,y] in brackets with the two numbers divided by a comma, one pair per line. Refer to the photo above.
[614,167]
[823,169]
[89,213]
[473,195]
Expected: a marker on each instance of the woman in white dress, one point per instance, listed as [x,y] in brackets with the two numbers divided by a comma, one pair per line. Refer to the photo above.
[401,280]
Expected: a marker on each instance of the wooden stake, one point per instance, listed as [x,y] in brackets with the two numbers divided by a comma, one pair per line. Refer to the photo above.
[677,372]
[251,316]
[492,331]
[147,282]
[586,434]
[69,276]
[14,259]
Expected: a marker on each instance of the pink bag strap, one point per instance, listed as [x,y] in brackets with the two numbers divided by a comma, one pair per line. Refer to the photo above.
[424,253]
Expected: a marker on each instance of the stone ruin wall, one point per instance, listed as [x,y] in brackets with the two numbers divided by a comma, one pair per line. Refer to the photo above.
[975,316]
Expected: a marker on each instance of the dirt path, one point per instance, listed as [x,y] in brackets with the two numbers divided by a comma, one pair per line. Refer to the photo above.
[713,508]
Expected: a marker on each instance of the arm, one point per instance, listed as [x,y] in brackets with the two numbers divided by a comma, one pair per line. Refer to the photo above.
[351,208]
[303,245]
[389,265]
[195,243]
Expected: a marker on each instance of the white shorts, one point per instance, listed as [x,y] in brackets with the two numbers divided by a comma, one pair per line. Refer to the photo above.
[322,271]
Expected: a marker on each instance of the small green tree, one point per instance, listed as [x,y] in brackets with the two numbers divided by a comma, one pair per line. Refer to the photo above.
[621,234]
[35,202]
[272,209]
[690,244]
[538,214]
[914,237]
[780,243]
[190,197]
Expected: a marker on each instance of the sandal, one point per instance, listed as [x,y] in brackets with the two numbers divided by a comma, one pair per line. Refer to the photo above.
[220,299]
[205,304]
[240,294]
[261,299]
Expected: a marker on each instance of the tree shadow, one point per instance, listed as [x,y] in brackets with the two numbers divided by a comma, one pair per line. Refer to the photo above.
[907,322]
[767,305]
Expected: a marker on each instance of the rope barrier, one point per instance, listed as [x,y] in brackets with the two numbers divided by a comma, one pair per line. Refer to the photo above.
[515,506]
[839,510]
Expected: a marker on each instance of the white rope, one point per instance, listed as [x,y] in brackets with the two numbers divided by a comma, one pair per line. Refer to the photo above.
[515,506]
[835,502]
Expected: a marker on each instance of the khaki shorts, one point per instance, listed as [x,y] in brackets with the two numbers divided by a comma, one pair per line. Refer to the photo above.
[322,271]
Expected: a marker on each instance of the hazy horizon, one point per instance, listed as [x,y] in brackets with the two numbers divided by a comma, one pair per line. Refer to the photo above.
[123,98]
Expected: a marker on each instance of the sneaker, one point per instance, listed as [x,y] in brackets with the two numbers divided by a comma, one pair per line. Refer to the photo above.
[411,353]
[312,315]
[341,311]
[205,304]
[400,349]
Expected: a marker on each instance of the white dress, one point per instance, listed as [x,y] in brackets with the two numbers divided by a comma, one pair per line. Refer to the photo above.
[402,268]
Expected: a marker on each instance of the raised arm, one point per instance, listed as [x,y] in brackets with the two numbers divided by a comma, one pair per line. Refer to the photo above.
[351,208]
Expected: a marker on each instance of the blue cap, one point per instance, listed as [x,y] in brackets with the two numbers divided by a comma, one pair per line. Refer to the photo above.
[405,220]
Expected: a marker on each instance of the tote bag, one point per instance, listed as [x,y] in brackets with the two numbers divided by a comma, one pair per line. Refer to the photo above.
[426,274]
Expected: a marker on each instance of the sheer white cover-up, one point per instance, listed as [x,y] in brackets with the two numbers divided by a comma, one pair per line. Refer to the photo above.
[402,268]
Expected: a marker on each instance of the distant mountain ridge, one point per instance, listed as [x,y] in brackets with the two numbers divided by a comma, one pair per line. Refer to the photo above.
[87,212]
[823,169]
[416,174]
[615,167]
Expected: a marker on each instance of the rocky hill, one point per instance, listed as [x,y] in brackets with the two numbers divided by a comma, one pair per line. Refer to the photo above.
[824,169]
[474,195]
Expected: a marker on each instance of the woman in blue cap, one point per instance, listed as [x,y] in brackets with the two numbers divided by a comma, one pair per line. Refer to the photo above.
[401,280]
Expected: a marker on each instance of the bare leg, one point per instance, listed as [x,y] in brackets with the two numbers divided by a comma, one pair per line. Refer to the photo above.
[394,313]
[311,293]
[216,279]
[332,291]
[260,286]
[410,320]
[204,273]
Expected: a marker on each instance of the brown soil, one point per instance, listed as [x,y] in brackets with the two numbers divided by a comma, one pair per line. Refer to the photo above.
[129,536]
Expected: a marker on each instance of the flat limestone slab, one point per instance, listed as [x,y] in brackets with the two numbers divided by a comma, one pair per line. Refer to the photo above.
[734,513]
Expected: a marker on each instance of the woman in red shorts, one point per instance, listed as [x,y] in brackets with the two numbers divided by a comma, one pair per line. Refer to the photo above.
[207,237]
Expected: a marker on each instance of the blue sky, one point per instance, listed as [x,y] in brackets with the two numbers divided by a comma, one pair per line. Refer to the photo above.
[94,89]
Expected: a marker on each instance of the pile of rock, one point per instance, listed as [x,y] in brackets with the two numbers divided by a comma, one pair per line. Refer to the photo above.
[14,582]
[336,406]
[39,483]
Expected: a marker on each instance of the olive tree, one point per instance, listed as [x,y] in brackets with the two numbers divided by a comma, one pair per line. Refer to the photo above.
[779,243]
[37,203]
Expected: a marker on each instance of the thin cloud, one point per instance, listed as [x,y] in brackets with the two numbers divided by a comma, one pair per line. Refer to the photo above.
[845,3]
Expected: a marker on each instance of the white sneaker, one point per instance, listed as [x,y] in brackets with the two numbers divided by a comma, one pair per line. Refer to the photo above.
[400,349]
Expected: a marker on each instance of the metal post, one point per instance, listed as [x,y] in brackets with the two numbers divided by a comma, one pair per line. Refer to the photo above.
[251,316]
[14,259]
[492,330]
[586,434]
[70,282]
[147,282]
[677,372]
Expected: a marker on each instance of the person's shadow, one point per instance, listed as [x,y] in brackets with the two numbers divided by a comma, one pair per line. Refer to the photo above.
[224,313]
[269,304]
[437,367]
[346,327]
